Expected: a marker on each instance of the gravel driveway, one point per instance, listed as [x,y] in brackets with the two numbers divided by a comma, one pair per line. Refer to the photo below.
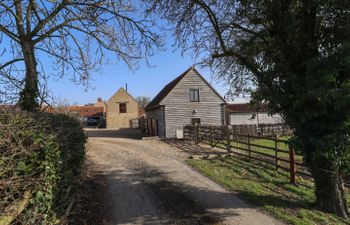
[148,182]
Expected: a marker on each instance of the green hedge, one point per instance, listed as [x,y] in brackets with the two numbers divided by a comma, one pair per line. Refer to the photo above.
[42,153]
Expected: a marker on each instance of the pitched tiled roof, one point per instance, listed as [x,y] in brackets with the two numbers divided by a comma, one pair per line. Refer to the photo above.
[165,91]
[87,111]
[84,111]
[246,108]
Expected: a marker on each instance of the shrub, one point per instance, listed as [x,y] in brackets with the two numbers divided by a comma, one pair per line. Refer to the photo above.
[41,154]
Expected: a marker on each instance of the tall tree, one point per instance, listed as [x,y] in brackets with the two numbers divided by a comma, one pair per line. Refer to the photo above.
[75,35]
[294,54]
[143,101]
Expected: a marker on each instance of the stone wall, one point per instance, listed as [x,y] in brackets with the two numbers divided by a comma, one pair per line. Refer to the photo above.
[114,118]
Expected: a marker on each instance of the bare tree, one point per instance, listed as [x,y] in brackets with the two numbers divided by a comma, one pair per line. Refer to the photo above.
[74,35]
[143,101]
[212,31]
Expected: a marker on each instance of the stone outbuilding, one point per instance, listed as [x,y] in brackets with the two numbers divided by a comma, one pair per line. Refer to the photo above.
[122,110]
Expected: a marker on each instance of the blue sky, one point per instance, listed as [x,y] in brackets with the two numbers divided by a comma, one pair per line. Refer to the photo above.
[145,81]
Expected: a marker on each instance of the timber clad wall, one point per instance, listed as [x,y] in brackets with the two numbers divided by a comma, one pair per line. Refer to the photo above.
[179,110]
[246,118]
[248,114]
[115,119]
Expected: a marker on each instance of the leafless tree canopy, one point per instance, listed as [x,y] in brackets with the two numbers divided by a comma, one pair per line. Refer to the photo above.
[143,101]
[213,30]
[72,37]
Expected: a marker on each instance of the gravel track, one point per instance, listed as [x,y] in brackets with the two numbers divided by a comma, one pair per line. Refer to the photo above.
[148,182]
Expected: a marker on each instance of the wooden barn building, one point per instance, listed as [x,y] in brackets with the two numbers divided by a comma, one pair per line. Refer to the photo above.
[188,99]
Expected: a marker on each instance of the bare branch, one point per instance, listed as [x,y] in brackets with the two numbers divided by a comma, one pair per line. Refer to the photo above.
[75,35]
[54,13]
[9,33]
[10,62]
[19,18]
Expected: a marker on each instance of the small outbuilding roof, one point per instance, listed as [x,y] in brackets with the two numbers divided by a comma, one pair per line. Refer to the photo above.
[86,111]
[245,108]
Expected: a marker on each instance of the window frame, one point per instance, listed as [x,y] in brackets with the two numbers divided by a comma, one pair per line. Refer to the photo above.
[125,110]
[194,91]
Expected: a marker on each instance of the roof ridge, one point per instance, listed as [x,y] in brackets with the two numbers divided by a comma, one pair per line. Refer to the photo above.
[168,87]
[122,89]
[165,90]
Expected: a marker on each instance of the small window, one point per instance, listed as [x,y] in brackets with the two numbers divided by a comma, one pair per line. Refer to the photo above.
[196,121]
[194,95]
[122,108]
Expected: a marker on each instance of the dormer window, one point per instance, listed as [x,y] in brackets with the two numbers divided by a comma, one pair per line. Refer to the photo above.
[194,95]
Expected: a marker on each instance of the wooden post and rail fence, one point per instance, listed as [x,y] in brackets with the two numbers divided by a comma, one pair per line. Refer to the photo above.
[271,150]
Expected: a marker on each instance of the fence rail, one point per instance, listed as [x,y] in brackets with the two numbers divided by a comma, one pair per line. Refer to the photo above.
[271,150]
[262,129]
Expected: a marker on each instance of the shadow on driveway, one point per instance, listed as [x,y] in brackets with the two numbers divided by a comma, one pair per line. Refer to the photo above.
[146,197]
[129,133]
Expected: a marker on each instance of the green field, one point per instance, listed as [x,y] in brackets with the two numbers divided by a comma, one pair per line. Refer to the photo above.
[260,184]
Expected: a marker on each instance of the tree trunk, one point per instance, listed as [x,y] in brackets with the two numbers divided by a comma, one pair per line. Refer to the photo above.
[329,188]
[28,96]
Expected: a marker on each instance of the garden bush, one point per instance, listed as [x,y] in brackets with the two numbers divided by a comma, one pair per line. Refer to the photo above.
[41,157]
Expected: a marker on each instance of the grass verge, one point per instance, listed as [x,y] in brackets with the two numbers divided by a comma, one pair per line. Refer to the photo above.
[270,190]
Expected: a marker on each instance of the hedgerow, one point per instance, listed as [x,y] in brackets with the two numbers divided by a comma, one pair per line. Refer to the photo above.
[41,157]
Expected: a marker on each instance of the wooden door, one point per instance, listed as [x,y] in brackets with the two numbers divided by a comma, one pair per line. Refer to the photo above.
[154,127]
[149,126]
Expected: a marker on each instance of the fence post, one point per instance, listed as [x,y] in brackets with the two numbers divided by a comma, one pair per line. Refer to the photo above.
[228,139]
[276,151]
[249,147]
[292,165]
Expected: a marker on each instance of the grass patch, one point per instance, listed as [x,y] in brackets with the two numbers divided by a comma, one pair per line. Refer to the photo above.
[260,184]
[268,143]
